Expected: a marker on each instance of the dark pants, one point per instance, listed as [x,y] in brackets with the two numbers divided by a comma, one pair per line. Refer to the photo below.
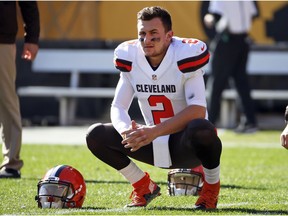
[197,144]
[230,61]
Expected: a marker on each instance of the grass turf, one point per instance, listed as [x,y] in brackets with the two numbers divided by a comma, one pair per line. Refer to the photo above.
[253,181]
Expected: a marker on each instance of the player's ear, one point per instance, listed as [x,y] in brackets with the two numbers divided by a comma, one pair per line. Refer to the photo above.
[169,34]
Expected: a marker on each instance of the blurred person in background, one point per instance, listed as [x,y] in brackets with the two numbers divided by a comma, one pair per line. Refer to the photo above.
[10,116]
[284,134]
[230,47]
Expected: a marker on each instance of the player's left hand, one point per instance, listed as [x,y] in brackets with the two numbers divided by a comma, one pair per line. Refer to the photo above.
[137,136]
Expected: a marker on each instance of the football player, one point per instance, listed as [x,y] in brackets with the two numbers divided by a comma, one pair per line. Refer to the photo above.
[164,73]
[284,134]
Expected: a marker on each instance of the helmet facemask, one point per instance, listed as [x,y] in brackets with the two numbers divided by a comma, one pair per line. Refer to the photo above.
[184,182]
[61,187]
[53,193]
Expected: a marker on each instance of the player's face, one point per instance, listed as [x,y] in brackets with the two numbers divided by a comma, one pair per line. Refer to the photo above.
[154,40]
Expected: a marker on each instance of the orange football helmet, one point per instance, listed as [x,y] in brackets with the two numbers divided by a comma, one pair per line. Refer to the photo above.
[62,187]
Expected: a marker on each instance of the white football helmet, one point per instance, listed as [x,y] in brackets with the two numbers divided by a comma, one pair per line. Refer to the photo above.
[185,181]
[62,187]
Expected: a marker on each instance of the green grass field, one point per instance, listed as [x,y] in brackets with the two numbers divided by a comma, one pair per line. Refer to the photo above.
[254,180]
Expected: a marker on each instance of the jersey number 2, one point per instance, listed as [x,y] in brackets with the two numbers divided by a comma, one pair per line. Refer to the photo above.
[167,110]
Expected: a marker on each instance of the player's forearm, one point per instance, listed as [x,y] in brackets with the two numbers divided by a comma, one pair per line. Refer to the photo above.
[120,118]
[180,120]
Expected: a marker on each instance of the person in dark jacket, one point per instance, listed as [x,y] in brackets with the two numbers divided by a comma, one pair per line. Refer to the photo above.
[230,47]
[10,117]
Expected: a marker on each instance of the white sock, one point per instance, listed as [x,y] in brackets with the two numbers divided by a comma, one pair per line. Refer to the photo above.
[132,173]
[212,176]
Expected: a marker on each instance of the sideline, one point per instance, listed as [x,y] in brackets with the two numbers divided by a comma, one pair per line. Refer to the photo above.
[72,135]
[75,135]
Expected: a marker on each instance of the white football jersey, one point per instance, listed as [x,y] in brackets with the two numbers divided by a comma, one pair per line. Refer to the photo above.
[177,82]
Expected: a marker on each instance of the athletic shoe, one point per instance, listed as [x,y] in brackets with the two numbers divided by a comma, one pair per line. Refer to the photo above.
[246,128]
[209,196]
[9,173]
[145,190]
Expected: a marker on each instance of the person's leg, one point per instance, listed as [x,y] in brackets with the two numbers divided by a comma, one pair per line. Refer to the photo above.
[197,144]
[218,79]
[10,117]
[105,143]
[242,84]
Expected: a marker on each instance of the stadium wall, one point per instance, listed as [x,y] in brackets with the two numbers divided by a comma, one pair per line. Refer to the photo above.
[104,24]
[116,20]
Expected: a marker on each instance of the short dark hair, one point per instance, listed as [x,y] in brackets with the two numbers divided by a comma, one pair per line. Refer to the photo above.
[149,13]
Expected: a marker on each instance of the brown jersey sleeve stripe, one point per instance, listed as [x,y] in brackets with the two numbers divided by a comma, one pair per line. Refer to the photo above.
[193,63]
[123,65]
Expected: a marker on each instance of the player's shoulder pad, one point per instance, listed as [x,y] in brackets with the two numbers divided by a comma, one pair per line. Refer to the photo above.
[123,55]
[191,54]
